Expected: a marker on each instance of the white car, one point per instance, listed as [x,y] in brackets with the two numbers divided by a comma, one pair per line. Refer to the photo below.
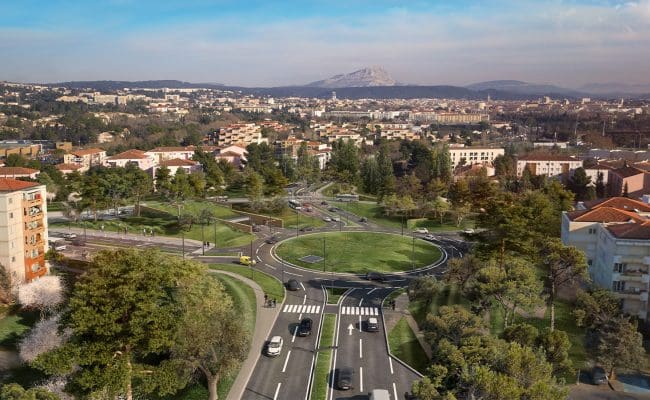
[274,347]
[421,230]
[336,219]
[327,219]
[469,231]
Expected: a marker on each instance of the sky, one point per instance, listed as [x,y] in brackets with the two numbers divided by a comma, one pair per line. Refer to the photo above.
[277,43]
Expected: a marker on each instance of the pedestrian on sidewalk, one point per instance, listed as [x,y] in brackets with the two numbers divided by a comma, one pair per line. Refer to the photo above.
[392,304]
[266,299]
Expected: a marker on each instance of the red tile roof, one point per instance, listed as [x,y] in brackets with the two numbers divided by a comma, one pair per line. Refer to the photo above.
[170,149]
[631,231]
[67,167]
[132,154]
[547,157]
[622,203]
[605,214]
[12,185]
[177,162]
[84,152]
[11,171]
[626,172]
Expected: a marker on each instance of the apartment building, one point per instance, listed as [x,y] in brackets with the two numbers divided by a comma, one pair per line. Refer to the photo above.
[634,180]
[551,165]
[460,118]
[23,229]
[470,155]
[18,172]
[161,154]
[85,158]
[615,236]
[175,164]
[240,133]
[143,160]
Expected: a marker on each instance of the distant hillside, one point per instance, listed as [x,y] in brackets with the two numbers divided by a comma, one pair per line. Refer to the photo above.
[615,88]
[525,88]
[108,86]
[366,77]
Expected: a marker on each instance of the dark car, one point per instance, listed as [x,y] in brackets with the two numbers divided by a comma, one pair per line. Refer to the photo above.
[363,219]
[304,329]
[306,229]
[272,240]
[293,285]
[257,228]
[323,203]
[344,378]
[598,376]
[332,209]
[376,276]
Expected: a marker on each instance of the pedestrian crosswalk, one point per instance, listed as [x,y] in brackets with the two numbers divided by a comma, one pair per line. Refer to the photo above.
[360,311]
[301,308]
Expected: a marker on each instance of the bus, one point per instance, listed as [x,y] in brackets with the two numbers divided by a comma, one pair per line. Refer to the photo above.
[347,197]
[56,243]
[295,204]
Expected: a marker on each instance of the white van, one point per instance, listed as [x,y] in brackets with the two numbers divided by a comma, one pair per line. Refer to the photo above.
[379,394]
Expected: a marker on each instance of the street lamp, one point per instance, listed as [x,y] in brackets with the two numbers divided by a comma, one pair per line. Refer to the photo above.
[413,255]
[323,254]
[202,238]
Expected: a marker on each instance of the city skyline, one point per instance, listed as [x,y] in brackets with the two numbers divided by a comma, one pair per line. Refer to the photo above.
[569,43]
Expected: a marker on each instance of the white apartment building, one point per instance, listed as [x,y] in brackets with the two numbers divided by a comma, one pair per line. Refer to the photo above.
[85,158]
[615,237]
[23,229]
[240,134]
[143,160]
[553,166]
[161,154]
[473,155]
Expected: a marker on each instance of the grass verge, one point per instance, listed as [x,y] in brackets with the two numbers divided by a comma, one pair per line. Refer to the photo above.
[334,294]
[13,325]
[322,370]
[271,286]
[405,346]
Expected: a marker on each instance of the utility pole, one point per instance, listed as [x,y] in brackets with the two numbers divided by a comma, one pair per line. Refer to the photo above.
[297,219]
[215,233]
[251,262]
[413,254]
[202,238]
[183,241]
[323,254]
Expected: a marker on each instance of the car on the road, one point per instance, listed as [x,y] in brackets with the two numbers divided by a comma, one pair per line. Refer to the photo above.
[306,229]
[336,219]
[78,242]
[274,346]
[304,329]
[372,325]
[344,378]
[468,231]
[257,228]
[272,240]
[323,203]
[327,219]
[421,230]
[376,276]
[69,236]
[429,237]
[363,219]
[598,376]
[293,285]
[332,209]
[379,394]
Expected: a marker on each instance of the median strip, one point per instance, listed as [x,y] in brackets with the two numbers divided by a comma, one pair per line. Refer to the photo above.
[323,358]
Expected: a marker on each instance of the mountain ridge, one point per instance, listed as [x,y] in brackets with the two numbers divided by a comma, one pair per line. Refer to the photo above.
[365,77]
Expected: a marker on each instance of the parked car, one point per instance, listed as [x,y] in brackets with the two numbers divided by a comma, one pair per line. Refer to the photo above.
[293,285]
[344,378]
[468,231]
[430,237]
[421,230]
[304,329]
[274,346]
[327,219]
[376,276]
[306,229]
[336,219]
[272,240]
[69,236]
[598,376]
[372,325]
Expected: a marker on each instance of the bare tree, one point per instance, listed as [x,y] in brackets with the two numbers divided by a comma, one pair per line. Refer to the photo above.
[44,294]
[43,337]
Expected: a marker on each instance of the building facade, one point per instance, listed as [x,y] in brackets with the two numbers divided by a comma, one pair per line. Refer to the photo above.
[470,155]
[552,166]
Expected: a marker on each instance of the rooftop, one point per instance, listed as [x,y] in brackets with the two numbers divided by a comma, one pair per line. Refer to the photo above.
[9,171]
[12,185]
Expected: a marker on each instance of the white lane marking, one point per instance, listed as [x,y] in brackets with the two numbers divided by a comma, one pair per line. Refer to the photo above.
[375,311]
[286,307]
[292,339]
[292,308]
[362,311]
[301,308]
[300,317]
[346,310]
[360,349]
[317,309]
[350,328]
[303,287]
[366,310]
[361,379]
[291,273]
[372,290]
[270,266]
[360,324]
[390,362]
[311,309]
[360,301]
[304,299]
[275,397]
[257,250]
[286,361]
[311,371]
[395,390]
[259,259]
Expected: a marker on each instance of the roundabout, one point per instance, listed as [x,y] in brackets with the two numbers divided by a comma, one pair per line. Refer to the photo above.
[358,252]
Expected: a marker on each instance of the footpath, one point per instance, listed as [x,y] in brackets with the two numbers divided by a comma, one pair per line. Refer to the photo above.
[264,320]
[392,317]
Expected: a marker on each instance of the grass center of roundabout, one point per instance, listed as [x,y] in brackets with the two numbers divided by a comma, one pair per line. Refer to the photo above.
[358,252]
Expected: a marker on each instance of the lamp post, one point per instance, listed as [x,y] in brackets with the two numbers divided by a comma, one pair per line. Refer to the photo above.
[215,233]
[251,262]
[323,254]
[402,223]
[297,222]
[413,255]
[202,238]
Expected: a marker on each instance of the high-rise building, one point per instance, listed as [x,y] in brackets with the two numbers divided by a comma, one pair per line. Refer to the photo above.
[23,229]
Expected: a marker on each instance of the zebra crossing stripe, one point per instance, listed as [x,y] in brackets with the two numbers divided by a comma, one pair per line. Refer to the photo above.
[286,307]
[317,309]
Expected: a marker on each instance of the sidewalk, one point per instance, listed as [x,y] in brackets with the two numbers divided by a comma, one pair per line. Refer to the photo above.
[264,320]
[391,319]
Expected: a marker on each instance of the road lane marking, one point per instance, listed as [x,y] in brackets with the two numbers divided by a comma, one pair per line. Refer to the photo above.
[360,324]
[360,348]
[361,379]
[390,362]
[286,307]
[350,328]
[372,290]
[304,299]
[362,311]
[360,301]
[291,273]
[395,390]
[287,359]
[303,288]
[275,397]
[259,259]
[293,338]
[366,311]
[270,266]
[257,250]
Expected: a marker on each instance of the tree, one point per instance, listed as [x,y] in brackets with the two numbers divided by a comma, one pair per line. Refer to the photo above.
[44,294]
[617,343]
[459,193]
[579,184]
[6,295]
[595,306]
[344,161]
[524,334]
[253,185]
[370,176]
[439,207]
[452,323]
[462,271]
[43,337]
[140,184]
[441,163]
[163,179]
[424,289]
[564,265]
[14,391]
[181,187]
[123,316]
[600,185]
[211,337]
[556,349]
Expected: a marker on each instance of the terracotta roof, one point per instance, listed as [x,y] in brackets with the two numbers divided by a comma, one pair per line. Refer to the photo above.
[600,166]
[132,154]
[605,214]
[171,149]
[84,152]
[177,162]
[12,185]
[6,171]
[626,172]
[644,165]
[546,157]
[631,231]
[65,167]
[622,203]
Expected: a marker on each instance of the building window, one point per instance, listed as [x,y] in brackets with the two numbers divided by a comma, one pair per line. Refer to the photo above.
[11,215]
[619,267]
[11,201]
[592,231]
[13,258]
[589,262]
[618,286]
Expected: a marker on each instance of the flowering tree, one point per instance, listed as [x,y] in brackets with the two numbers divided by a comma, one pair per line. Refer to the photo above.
[43,337]
[44,294]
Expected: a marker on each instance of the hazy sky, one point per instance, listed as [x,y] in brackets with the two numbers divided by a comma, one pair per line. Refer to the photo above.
[269,42]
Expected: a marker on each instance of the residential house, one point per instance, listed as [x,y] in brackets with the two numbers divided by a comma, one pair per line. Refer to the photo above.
[18,172]
[143,160]
[85,158]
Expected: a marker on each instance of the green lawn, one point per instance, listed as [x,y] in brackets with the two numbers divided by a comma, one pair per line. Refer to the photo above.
[334,294]
[375,213]
[291,219]
[271,286]
[405,346]
[322,370]
[359,252]
[195,207]
[166,225]
[13,325]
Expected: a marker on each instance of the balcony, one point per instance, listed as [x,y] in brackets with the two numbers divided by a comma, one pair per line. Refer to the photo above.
[635,276]
[633,294]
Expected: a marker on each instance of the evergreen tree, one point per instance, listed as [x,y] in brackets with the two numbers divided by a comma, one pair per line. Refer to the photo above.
[600,186]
